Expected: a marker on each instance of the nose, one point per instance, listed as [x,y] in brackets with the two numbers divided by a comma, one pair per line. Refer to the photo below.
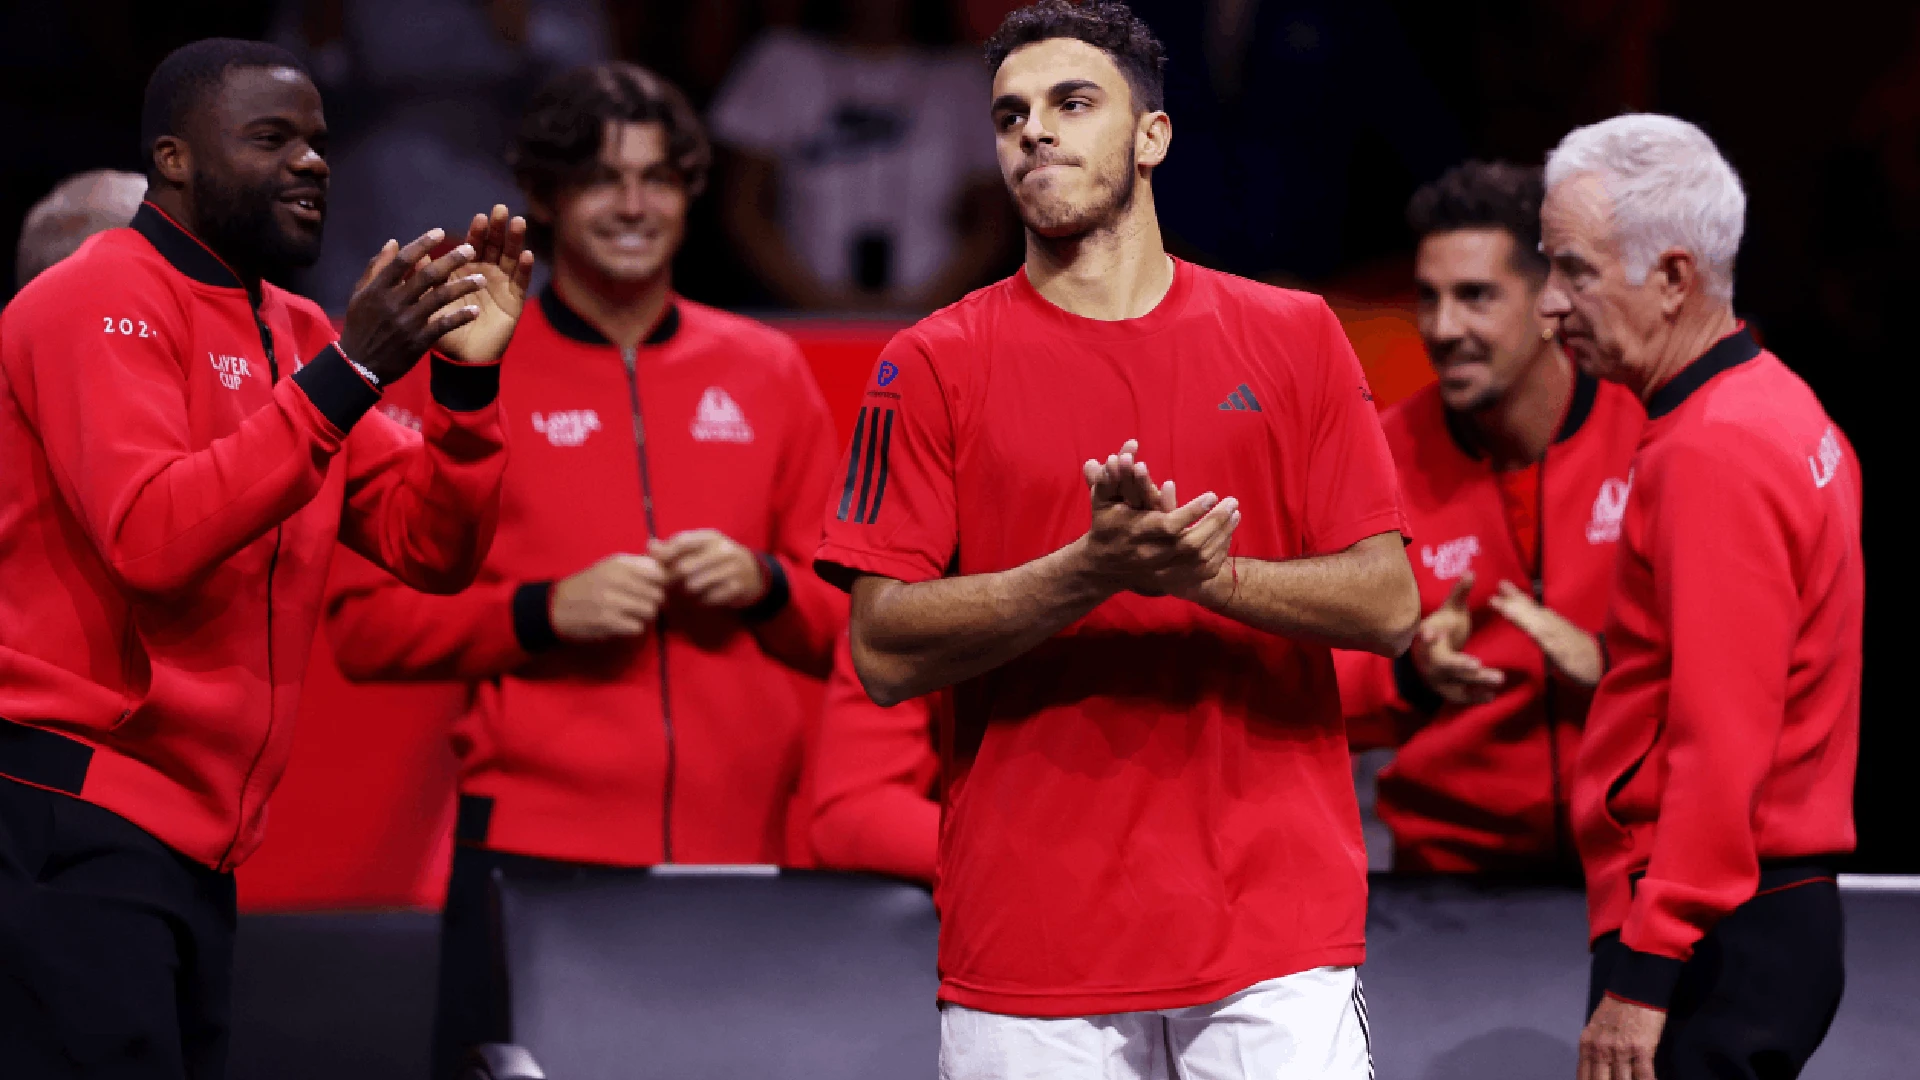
[633,201]
[1034,132]
[309,164]
[1553,302]
[1444,326]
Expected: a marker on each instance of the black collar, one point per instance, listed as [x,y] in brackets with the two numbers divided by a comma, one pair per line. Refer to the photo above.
[183,249]
[570,325]
[1729,352]
[1585,389]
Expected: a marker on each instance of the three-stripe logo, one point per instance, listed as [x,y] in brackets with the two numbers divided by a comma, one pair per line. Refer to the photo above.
[1241,400]
[867,465]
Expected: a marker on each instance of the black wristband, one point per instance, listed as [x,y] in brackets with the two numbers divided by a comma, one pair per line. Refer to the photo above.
[463,387]
[1643,978]
[336,389]
[779,593]
[1412,688]
[533,616]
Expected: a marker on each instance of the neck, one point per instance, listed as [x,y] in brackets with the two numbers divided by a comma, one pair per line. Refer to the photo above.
[1517,429]
[1116,272]
[173,202]
[1699,325]
[625,311]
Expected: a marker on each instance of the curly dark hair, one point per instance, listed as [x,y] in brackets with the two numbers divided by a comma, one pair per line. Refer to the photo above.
[560,133]
[1485,195]
[1107,25]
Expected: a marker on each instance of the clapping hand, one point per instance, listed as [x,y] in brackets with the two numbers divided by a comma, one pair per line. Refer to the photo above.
[505,267]
[1144,541]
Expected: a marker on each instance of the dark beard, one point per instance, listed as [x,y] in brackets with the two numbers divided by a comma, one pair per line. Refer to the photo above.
[1069,224]
[239,224]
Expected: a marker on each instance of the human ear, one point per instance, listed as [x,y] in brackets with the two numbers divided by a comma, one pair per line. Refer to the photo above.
[1152,135]
[1677,276]
[173,159]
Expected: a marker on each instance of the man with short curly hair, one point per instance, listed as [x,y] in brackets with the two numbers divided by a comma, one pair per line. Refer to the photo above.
[636,637]
[1150,859]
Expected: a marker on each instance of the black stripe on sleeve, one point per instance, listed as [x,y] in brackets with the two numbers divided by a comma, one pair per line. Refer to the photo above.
[880,485]
[866,476]
[853,463]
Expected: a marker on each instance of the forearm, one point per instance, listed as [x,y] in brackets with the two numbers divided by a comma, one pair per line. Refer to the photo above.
[387,632]
[1363,598]
[913,639]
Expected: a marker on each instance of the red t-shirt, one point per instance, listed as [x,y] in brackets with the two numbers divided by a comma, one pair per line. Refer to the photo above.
[1154,808]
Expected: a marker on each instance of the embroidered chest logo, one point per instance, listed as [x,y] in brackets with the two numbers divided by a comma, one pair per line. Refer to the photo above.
[1451,559]
[231,369]
[719,419]
[1609,509]
[403,417]
[568,428]
[1241,400]
[1829,460]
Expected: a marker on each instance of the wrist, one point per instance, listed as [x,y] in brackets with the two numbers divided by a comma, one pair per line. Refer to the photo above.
[775,591]
[1083,576]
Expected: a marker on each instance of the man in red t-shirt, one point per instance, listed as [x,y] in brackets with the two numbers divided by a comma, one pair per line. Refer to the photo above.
[1151,860]
[1714,789]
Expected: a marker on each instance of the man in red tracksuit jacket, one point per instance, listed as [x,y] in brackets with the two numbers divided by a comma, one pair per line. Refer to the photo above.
[1513,468]
[183,444]
[874,776]
[1715,782]
[637,637]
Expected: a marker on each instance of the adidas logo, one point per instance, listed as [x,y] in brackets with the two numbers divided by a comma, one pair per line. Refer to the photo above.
[1241,400]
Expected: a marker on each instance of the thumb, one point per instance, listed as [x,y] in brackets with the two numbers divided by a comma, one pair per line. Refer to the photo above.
[1461,590]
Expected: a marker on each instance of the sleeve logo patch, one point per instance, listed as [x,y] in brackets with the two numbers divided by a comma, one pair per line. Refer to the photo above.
[888,372]
[1829,461]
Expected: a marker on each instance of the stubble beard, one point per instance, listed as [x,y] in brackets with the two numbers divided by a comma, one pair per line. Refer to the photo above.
[239,224]
[1059,222]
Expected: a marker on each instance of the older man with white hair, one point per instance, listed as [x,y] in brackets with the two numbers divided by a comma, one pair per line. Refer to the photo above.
[77,207]
[1714,788]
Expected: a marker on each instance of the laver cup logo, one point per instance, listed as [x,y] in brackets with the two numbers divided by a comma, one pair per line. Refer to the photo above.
[569,428]
[1609,507]
[1451,559]
[231,369]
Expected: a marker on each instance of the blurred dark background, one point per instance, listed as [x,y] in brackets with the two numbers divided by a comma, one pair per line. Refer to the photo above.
[1301,129]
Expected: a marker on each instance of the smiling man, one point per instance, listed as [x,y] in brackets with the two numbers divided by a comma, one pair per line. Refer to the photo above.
[1714,790]
[1150,862]
[184,445]
[637,635]
[1514,467]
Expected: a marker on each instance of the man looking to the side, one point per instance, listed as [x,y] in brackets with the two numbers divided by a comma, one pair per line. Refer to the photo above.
[185,444]
[1714,788]
[75,209]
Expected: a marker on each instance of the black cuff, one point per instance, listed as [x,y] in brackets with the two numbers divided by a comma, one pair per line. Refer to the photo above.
[1644,978]
[532,616]
[338,391]
[463,387]
[779,593]
[1412,688]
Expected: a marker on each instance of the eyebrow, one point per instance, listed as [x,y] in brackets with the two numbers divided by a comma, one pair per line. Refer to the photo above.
[1055,92]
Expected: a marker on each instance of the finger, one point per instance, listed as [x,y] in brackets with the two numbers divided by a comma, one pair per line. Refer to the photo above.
[514,242]
[1136,485]
[1184,517]
[1519,610]
[1457,598]
[1216,525]
[1169,500]
[477,234]
[447,321]
[1643,1064]
[494,237]
[1102,486]
[436,271]
[447,292]
[522,278]
[411,255]
[378,265]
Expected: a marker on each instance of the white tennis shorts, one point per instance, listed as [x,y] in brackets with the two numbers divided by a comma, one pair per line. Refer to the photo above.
[1309,1026]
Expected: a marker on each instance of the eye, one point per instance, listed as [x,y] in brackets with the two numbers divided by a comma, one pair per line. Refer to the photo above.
[1075,105]
[1008,121]
[271,140]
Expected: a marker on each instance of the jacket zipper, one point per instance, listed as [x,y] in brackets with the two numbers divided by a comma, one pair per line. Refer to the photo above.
[1546,665]
[273,564]
[630,356]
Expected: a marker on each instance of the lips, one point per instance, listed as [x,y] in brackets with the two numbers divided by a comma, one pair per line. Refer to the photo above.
[308,205]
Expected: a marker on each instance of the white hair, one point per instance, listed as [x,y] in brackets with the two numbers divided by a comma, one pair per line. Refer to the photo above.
[77,208]
[1669,187]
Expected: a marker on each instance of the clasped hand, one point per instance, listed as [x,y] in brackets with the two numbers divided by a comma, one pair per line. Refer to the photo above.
[1143,540]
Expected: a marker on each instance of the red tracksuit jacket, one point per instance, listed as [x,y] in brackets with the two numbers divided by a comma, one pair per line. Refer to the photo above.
[687,743]
[1725,732]
[874,775]
[178,468]
[1484,787]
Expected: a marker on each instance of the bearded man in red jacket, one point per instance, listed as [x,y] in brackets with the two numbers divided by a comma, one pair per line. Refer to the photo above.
[1714,788]
[639,635]
[184,445]
[1513,465]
